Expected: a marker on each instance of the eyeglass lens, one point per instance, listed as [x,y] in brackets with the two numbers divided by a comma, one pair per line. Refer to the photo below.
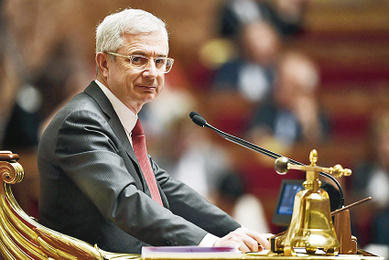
[161,63]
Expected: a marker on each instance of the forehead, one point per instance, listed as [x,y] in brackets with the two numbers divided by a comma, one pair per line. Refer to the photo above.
[150,43]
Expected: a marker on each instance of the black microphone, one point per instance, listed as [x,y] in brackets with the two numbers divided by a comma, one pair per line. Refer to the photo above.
[200,121]
[197,119]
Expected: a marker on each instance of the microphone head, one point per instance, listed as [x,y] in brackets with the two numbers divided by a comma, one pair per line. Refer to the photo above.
[193,113]
[197,119]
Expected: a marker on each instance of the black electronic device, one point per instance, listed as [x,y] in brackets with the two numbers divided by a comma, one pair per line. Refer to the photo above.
[285,201]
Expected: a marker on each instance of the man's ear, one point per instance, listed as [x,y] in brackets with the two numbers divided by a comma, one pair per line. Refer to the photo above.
[101,61]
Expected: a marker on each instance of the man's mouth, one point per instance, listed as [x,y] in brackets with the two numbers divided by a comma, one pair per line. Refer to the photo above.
[146,87]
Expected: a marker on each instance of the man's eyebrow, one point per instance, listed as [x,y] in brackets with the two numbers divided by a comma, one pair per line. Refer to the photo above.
[146,54]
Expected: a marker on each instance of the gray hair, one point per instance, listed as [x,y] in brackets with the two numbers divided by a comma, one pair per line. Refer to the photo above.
[133,21]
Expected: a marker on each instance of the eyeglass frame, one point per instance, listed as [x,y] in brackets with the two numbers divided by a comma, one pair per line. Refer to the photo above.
[130,58]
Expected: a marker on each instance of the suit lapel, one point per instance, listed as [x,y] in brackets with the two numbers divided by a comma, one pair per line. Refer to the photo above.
[96,93]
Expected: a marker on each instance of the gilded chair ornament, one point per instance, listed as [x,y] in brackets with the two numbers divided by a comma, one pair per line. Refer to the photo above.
[22,237]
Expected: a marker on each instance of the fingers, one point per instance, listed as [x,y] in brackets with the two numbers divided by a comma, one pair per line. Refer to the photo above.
[247,243]
[260,238]
[245,240]
[239,240]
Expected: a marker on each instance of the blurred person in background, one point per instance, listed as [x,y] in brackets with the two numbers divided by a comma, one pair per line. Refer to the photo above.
[232,197]
[194,157]
[293,113]
[40,69]
[251,74]
[59,78]
[371,179]
[244,82]
[287,16]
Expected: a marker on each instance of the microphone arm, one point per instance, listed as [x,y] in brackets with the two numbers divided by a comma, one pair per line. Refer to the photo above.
[200,121]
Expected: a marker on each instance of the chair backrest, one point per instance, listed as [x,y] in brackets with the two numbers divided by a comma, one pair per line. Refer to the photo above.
[22,237]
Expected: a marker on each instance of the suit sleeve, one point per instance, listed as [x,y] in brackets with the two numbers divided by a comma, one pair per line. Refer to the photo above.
[186,202]
[90,153]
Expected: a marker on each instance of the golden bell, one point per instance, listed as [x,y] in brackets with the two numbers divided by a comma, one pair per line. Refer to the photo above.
[311,225]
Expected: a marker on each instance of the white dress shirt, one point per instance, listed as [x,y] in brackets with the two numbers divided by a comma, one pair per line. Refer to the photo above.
[126,116]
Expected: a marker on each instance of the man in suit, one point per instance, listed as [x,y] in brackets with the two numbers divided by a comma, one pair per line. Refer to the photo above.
[92,185]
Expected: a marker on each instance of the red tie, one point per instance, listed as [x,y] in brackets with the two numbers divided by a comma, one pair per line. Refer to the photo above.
[139,145]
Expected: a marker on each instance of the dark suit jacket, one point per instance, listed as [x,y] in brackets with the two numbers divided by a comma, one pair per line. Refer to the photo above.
[92,187]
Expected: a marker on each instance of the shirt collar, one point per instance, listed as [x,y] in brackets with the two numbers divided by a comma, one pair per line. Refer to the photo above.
[126,116]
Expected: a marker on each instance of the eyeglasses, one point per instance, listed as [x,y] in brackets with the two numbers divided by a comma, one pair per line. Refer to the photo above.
[140,62]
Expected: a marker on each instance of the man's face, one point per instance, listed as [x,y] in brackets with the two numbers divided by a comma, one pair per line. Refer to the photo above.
[132,86]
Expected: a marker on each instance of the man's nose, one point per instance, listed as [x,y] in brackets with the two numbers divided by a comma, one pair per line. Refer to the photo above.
[151,70]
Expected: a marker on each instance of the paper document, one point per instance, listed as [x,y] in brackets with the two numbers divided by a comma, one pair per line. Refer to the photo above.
[182,252]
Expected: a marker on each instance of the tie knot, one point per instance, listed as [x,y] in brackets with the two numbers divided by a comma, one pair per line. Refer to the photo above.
[138,130]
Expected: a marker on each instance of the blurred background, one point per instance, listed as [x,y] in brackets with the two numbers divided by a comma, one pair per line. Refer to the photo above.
[288,75]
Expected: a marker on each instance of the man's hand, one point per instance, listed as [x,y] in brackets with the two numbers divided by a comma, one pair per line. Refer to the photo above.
[246,240]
